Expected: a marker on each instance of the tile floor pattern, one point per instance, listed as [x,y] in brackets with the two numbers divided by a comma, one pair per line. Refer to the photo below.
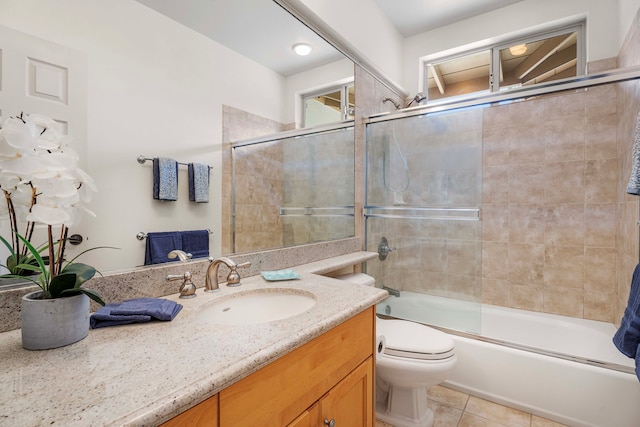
[456,409]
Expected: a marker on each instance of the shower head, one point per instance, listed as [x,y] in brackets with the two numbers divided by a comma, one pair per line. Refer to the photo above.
[420,96]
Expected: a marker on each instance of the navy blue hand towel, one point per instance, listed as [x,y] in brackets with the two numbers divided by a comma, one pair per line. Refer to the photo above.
[627,338]
[165,179]
[138,310]
[159,244]
[196,242]
[157,308]
[103,317]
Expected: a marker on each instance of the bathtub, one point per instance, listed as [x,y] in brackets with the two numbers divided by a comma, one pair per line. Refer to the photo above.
[557,367]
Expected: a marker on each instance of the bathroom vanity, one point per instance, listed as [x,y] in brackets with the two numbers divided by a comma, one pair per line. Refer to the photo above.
[329,378]
[294,371]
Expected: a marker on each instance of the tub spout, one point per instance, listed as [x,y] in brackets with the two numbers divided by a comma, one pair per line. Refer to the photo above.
[394,292]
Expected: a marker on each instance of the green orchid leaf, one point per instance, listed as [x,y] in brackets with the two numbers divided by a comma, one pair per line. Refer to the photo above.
[37,257]
[83,272]
[11,263]
[60,283]
[29,267]
[88,292]
[8,245]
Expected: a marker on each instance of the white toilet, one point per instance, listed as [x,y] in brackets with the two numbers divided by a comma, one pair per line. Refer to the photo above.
[414,358]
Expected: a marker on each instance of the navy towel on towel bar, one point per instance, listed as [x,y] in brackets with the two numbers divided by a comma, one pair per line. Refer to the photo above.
[196,242]
[165,179]
[198,182]
[159,244]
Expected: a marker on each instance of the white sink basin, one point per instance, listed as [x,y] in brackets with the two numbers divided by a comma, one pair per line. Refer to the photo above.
[257,306]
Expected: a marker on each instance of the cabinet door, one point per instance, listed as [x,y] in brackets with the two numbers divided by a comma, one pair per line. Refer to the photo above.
[309,418]
[350,402]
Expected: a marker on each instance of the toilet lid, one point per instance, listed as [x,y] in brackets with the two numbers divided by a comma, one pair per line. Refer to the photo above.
[413,340]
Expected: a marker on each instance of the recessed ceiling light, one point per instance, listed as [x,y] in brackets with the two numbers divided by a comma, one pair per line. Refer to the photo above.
[518,50]
[301,49]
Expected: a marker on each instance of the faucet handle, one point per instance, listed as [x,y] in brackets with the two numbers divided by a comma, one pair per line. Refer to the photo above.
[233,279]
[187,289]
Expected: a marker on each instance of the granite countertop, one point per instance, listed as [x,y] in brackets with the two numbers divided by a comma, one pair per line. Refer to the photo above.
[145,374]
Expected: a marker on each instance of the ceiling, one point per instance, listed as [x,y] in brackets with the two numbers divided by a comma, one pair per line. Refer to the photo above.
[258,29]
[263,31]
[412,17]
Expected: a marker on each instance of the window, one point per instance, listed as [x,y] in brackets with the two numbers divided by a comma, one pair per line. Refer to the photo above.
[333,104]
[507,64]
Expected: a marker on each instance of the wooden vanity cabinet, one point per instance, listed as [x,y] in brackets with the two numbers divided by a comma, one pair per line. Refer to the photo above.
[204,414]
[334,371]
[330,377]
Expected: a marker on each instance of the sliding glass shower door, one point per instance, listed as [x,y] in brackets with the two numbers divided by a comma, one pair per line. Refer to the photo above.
[423,198]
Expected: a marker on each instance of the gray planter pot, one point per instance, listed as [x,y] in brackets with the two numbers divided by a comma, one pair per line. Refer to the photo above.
[52,323]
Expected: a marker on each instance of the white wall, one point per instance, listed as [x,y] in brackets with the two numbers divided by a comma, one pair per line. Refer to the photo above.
[363,24]
[154,88]
[627,11]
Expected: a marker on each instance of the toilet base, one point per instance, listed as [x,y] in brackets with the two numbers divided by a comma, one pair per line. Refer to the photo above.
[397,421]
[403,407]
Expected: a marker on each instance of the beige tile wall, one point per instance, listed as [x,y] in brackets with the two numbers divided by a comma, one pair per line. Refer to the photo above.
[550,187]
[239,125]
[317,171]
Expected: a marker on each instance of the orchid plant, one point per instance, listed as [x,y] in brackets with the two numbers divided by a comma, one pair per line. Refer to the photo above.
[43,187]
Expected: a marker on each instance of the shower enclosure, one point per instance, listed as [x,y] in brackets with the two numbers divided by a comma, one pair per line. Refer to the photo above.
[293,188]
[515,199]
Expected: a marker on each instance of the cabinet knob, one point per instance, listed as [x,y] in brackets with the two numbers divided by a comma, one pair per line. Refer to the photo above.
[330,423]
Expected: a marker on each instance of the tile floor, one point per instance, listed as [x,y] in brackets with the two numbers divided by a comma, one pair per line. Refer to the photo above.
[455,409]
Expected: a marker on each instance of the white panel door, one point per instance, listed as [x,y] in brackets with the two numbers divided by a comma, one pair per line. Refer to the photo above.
[37,76]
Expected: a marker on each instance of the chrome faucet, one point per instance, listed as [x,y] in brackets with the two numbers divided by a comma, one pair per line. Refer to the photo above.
[181,255]
[394,292]
[233,279]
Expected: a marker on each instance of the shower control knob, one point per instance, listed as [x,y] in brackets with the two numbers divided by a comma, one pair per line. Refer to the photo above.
[330,423]
[384,249]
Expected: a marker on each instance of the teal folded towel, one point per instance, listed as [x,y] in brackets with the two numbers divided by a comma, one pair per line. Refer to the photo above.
[198,182]
[138,310]
[165,179]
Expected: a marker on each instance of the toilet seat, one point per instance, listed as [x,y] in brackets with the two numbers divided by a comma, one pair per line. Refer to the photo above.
[411,340]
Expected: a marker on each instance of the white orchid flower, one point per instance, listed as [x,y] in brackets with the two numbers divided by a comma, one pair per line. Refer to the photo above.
[9,181]
[87,184]
[51,215]
[39,174]
[18,135]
